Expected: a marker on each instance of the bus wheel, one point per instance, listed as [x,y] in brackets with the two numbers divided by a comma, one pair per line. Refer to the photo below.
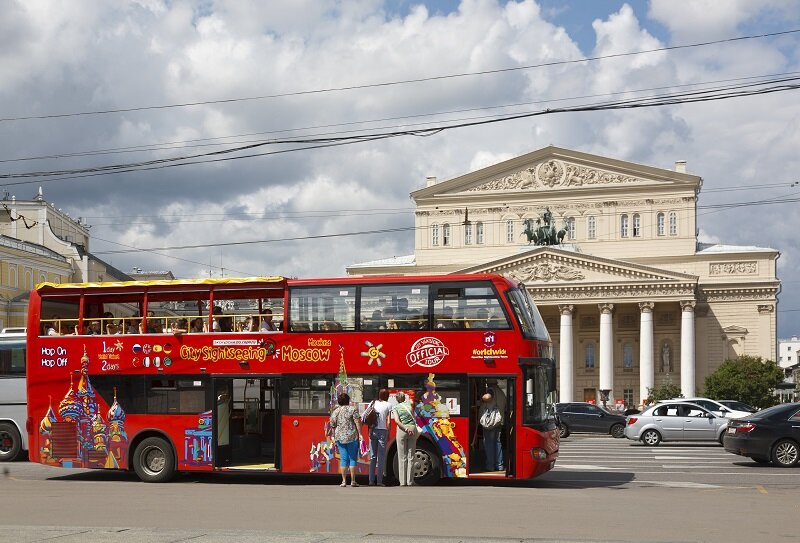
[154,461]
[10,442]
[427,464]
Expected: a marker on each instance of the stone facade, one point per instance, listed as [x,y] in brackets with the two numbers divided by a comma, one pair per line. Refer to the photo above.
[631,299]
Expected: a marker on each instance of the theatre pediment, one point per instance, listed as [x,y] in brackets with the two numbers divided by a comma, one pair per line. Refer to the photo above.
[553,169]
[553,266]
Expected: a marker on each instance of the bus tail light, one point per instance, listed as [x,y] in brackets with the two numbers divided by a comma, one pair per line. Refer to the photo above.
[538,454]
[632,420]
[745,428]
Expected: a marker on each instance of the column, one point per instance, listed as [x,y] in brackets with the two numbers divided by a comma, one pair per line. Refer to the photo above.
[687,349]
[607,349]
[565,358]
[647,376]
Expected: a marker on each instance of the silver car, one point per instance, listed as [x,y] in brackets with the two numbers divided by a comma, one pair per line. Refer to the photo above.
[675,421]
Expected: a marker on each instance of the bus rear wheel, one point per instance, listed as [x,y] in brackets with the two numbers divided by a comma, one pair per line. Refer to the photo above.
[154,460]
[427,464]
[10,442]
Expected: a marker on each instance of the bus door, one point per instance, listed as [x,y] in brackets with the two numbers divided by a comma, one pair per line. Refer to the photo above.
[252,423]
[223,399]
[484,457]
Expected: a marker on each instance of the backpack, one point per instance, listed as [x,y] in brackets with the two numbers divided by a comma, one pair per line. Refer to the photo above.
[370,416]
[491,418]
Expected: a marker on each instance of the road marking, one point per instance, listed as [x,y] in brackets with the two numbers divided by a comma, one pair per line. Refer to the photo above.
[585,466]
[681,484]
[762,489]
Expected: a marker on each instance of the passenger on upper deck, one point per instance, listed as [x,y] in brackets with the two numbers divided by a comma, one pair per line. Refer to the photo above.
[197,325]
[266,323]
[94,329]
[134,325]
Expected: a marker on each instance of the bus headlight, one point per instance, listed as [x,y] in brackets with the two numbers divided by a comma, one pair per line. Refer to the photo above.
[538,454]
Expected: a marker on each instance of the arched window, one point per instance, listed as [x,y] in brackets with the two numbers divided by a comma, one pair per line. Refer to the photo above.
[468,234]
[588,357]
[673,223]
[509,231]
[591,227]
[445,234]
[627,356]
[623,226]
[479,233]
[637,226]
[571,228]
[660,224]
[435,235]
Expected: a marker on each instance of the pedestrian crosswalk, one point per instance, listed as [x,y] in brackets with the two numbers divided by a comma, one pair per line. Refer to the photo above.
[604,453]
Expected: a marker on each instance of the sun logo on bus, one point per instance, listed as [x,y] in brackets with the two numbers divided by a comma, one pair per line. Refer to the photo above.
[373,352]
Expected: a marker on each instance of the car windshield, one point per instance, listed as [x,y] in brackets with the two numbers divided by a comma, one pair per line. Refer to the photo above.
[772,411]
[738,406]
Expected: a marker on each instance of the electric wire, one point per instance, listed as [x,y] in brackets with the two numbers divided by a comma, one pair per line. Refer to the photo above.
[401,82]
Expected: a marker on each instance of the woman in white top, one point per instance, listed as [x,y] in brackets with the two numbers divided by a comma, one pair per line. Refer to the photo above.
[378,434]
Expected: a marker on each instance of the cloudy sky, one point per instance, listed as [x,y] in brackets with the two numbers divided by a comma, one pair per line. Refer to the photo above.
[185,79]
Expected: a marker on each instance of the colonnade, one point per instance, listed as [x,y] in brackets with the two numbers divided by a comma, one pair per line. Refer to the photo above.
[566,357]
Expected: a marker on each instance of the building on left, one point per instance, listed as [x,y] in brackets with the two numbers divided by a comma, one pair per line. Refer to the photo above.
[42,243]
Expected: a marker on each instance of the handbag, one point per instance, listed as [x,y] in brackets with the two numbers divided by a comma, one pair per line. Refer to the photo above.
[370,417]
[491,418]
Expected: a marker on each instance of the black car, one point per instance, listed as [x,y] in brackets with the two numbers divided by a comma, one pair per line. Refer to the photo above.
[586,417]
[768,435]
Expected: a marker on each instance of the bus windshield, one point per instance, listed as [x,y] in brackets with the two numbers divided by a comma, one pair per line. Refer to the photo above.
[530,320]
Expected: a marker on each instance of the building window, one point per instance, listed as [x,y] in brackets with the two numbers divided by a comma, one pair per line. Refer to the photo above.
[627,397]
[445,234]
[660,224]
[588,358]
[479,233]
[509,231]
[571,228]
[435,235]
[637,226]
[623,226]
[673,223]
[627,357]
[468,234]
[591,227]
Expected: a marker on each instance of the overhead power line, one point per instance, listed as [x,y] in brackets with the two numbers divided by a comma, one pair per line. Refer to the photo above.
[726,92]
[398,82]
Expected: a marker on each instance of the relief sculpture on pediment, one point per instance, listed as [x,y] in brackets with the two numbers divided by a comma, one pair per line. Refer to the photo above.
[545,271]
[553,173]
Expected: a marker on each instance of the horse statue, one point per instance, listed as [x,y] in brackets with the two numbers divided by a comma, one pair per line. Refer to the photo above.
[544,233]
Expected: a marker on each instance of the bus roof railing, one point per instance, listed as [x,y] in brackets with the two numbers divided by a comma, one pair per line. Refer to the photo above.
[161,282]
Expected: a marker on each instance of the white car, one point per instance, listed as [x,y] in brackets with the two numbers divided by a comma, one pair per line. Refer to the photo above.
[675,421]
[715,407]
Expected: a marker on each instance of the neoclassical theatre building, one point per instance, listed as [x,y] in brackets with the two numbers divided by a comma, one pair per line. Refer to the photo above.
[632,300]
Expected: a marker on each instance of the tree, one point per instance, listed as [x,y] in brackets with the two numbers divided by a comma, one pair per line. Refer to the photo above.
[749,379]
[667,391]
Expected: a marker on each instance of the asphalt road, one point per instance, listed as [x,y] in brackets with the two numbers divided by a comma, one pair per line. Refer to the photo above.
[601,490]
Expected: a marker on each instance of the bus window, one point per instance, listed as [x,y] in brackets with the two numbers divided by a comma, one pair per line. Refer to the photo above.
[322,309]
[12,358]
[394,307]
[59,316]
[530,320]
[537,406]
[310,396]
[468,307]
[176,396]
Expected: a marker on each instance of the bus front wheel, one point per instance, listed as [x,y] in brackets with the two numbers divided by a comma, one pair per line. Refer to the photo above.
[10,442]
[154,461]
[427,464]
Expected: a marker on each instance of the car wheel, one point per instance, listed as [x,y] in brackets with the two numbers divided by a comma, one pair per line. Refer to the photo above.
[618,430]
[651,437]
[154,461]
[10,442]
[563,431]
[785,453]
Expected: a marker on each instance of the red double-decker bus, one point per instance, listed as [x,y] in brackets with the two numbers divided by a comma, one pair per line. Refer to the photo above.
[242,374]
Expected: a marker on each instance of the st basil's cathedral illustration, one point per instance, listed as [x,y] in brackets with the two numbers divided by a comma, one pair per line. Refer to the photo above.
[78,436]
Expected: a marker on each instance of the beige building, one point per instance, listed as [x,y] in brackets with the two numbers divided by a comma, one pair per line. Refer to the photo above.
[631,299]
[38,243]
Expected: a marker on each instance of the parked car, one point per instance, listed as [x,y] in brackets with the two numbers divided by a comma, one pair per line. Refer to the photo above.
[715,407]
[675,421]
[772,434]
[587,417]
[736,405]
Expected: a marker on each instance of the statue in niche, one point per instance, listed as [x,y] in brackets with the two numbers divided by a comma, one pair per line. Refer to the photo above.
[666,366]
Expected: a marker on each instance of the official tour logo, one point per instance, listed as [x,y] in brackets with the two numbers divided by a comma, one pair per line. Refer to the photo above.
[427,352]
